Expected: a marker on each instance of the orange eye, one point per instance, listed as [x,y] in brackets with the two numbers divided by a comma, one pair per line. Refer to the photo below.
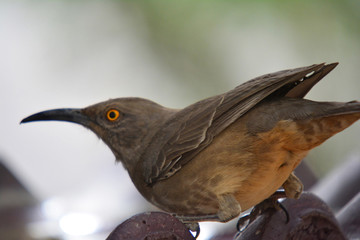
[112,115]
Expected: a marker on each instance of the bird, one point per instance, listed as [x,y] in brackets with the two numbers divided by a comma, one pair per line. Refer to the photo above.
[222,155]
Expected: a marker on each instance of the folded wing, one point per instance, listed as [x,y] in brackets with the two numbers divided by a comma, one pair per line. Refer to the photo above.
[192,129]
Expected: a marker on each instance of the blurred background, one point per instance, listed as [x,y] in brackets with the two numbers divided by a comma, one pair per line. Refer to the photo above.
[57,54]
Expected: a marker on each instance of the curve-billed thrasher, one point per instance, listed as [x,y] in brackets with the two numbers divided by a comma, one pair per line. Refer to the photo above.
[224,154]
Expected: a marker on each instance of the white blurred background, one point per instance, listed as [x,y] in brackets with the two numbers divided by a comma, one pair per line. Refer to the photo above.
[57,54]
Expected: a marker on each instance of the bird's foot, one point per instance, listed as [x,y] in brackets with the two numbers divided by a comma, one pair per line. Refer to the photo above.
[191,223]
[293,187]
[269,203]
[193,227]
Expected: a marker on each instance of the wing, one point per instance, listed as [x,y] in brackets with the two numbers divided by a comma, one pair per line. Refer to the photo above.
[192,129]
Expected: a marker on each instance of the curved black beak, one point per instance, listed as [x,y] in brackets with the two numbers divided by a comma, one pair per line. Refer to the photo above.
[65,114]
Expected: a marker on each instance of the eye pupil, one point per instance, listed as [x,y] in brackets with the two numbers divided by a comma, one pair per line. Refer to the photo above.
[112,115]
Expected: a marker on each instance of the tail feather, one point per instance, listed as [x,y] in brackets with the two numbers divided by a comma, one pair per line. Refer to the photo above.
[337,109]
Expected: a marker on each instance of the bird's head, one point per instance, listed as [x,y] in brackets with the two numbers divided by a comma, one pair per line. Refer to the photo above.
[126,125]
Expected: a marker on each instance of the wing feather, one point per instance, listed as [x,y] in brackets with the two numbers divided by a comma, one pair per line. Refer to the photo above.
[192,129]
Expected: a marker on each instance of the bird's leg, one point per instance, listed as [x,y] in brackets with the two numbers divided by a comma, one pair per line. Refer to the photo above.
[229,208]
[269,203]
[293,187]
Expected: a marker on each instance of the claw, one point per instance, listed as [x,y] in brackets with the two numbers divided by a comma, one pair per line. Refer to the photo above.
[270,203]
[193,227]
[197,230]
[285,211]
[240,225]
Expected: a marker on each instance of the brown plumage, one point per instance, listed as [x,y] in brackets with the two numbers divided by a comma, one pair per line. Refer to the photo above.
[224,154]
